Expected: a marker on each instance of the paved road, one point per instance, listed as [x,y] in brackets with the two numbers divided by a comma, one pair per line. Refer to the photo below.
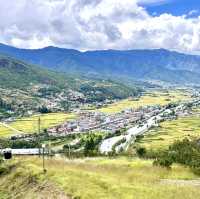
[107,144]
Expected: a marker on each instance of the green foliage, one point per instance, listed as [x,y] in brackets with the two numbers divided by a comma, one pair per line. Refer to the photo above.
[141,152]
[100,91]
[87,146]
[15,74]
[91,144]
[44,110]
[186,152]
[3,169]
[18,144]
[164,161]
[1,160]
[4,105]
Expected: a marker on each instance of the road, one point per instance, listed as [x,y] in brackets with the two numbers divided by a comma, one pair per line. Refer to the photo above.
[108,144]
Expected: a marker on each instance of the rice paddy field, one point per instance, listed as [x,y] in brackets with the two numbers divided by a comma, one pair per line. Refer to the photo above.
[169,131]
[30,124]
[149,99]
[99,178]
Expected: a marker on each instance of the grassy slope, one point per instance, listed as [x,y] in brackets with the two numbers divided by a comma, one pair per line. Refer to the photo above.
[156,98]
[102,178]
[17,74]
[23,182]
[169,131]
[30,124]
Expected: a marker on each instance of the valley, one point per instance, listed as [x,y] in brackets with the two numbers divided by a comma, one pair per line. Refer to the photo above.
[95,130]
[83,167]
[99,99]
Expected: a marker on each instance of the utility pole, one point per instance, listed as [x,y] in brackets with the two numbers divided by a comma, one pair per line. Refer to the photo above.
[43,160]
[39,125]
[38,136]
[69,150]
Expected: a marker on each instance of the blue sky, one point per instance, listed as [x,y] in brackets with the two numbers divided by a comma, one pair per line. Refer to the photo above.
[174,7]
[102,24]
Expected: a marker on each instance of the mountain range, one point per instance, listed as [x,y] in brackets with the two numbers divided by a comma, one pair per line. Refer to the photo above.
[146,65]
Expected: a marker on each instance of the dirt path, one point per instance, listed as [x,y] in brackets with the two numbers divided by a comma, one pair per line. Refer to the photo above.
[50,191]
[181,182]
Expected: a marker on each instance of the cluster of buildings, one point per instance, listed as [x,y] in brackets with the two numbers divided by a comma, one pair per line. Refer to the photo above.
[93,121]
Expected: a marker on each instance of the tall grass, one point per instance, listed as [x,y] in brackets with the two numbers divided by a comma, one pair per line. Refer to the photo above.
[120,178]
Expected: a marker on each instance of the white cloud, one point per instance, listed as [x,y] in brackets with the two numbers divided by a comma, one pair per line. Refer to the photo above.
[193,13]
[95,24]
[147,2]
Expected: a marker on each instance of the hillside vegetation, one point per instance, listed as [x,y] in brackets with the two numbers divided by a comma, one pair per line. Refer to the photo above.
[27,88]
[97,178]
[17,74]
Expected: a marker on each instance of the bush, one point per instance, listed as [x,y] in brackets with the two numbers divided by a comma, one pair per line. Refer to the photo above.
[1,160]
[91,144]
[163,162]
[141,152]
[186,152]
[112,154]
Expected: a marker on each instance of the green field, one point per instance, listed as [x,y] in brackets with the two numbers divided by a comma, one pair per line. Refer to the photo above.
[169,131]
[30,124]
[149,99]
[99,178]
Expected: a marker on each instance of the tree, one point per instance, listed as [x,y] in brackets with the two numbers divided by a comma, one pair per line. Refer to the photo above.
[44,109]
[141,151]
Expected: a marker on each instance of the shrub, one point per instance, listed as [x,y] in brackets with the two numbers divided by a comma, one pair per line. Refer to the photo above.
[163,162]
[141,151]
[3,170]
[186,152]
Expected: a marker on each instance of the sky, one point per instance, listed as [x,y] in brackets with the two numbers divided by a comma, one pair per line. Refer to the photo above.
[101,24]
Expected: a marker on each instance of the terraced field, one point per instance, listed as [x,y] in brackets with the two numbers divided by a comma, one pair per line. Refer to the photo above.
[169,131]
[30,124]
[149,99]
[98,178]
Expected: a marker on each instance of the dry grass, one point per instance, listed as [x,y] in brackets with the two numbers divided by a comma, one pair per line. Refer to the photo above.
[30,124]
[149,99]
[169,131]
[114,178]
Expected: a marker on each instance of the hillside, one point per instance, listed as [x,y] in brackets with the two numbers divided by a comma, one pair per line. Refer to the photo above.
[25,87]
[98,178]
[18,74]
[157,64]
